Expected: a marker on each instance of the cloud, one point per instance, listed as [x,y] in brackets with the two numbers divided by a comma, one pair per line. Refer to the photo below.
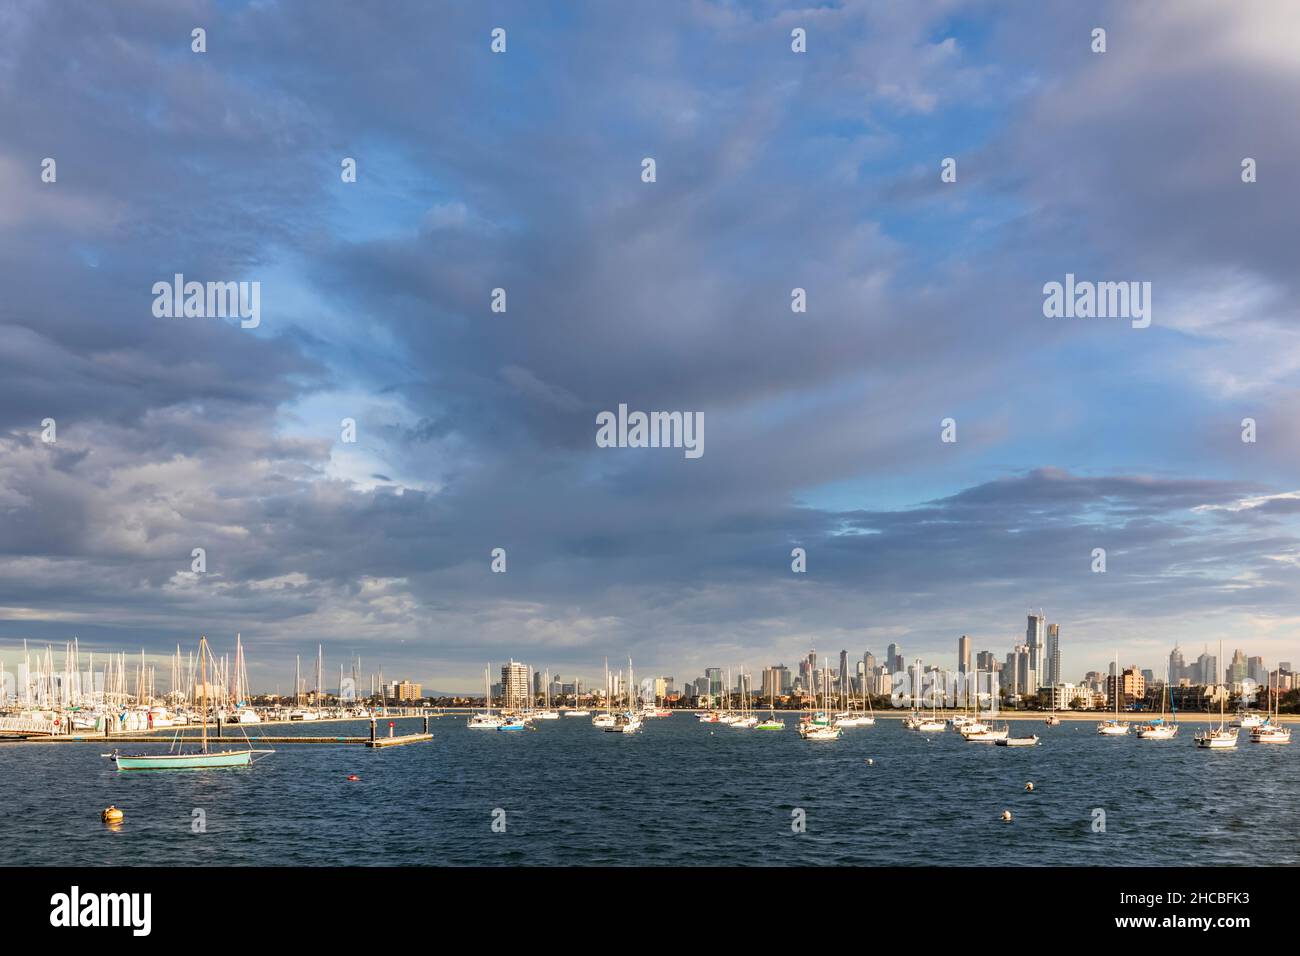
[522,172]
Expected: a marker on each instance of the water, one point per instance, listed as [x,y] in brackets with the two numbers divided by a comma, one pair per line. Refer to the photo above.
[678,793]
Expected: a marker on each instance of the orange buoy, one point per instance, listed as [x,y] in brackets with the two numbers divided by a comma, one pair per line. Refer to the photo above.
[111,815]
[353,776]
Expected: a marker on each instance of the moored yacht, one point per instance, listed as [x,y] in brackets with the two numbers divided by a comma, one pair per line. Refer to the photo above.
[1271,730]
[486,720]
[1222,737]
[625,723]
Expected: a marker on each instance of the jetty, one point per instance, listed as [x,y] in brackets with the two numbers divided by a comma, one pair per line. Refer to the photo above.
[165,735]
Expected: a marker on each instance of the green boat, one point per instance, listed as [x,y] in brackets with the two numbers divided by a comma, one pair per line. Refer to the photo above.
[192,761]
[202,759]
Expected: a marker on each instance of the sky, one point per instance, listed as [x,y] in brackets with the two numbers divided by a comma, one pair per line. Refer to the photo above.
[774,170]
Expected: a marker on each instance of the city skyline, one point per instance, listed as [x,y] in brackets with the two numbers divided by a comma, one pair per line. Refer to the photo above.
[1250,664]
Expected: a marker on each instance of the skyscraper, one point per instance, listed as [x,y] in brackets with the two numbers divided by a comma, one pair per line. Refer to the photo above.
[844,665]
[514,685]
[1207,666]
[1053,655]
[963,654]
[1177,666]
[1237,670]
[1035,645]
[894,658]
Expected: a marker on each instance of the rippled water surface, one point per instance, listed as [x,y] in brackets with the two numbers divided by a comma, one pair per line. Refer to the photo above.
[678,793]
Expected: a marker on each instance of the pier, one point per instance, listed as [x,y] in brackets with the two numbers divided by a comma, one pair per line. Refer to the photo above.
[192,735]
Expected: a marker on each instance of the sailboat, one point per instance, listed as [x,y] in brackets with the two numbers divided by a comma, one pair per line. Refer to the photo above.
[1223,737]
[1114,727]
[628,722]
[977,732]
[1157,729]
[546,713]
[745,720]
[1271,731]
[204,759]
[607,718]
[1053,719]
[242,713]
[851,717]
[770,722]
[934,724]
[818,726]
[486,720]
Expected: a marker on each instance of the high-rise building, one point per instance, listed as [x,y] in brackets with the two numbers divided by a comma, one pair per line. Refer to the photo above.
[714,676]
[1053,662]
[894,658]
[1256,671]
[963,654]
[869,659]
[1035,643]
[1177,666]
[514,685]
[844,665]
[1017,675]
[1237,670]
[984,661]
[1207,668]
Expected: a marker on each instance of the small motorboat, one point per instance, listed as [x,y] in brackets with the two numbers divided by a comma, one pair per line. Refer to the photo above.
[1029,741]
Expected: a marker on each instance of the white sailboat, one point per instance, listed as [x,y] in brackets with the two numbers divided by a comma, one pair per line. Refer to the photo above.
[1223,737]
[853,717]
[1272,731]
[977,732]
[606,719]
[546,713]
[486,720]
[1114,727]
[745,720]
[1159,729]
[628,722]
[819,726]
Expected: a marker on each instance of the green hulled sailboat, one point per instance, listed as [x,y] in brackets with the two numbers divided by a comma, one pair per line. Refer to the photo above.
[203,759]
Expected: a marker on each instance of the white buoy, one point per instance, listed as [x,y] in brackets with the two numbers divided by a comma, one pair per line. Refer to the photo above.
[870,762]
[1006,815]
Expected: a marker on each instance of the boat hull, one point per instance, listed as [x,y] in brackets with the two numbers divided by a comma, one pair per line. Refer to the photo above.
[209,761]
[1261,736]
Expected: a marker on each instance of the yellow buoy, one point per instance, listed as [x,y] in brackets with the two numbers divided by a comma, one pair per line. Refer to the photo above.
[111,815]
[1029,787]
[1006,815]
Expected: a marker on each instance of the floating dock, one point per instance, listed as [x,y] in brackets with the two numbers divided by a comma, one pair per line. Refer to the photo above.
[189,736]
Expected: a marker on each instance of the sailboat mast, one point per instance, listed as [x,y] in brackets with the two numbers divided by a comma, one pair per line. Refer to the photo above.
[203,668]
